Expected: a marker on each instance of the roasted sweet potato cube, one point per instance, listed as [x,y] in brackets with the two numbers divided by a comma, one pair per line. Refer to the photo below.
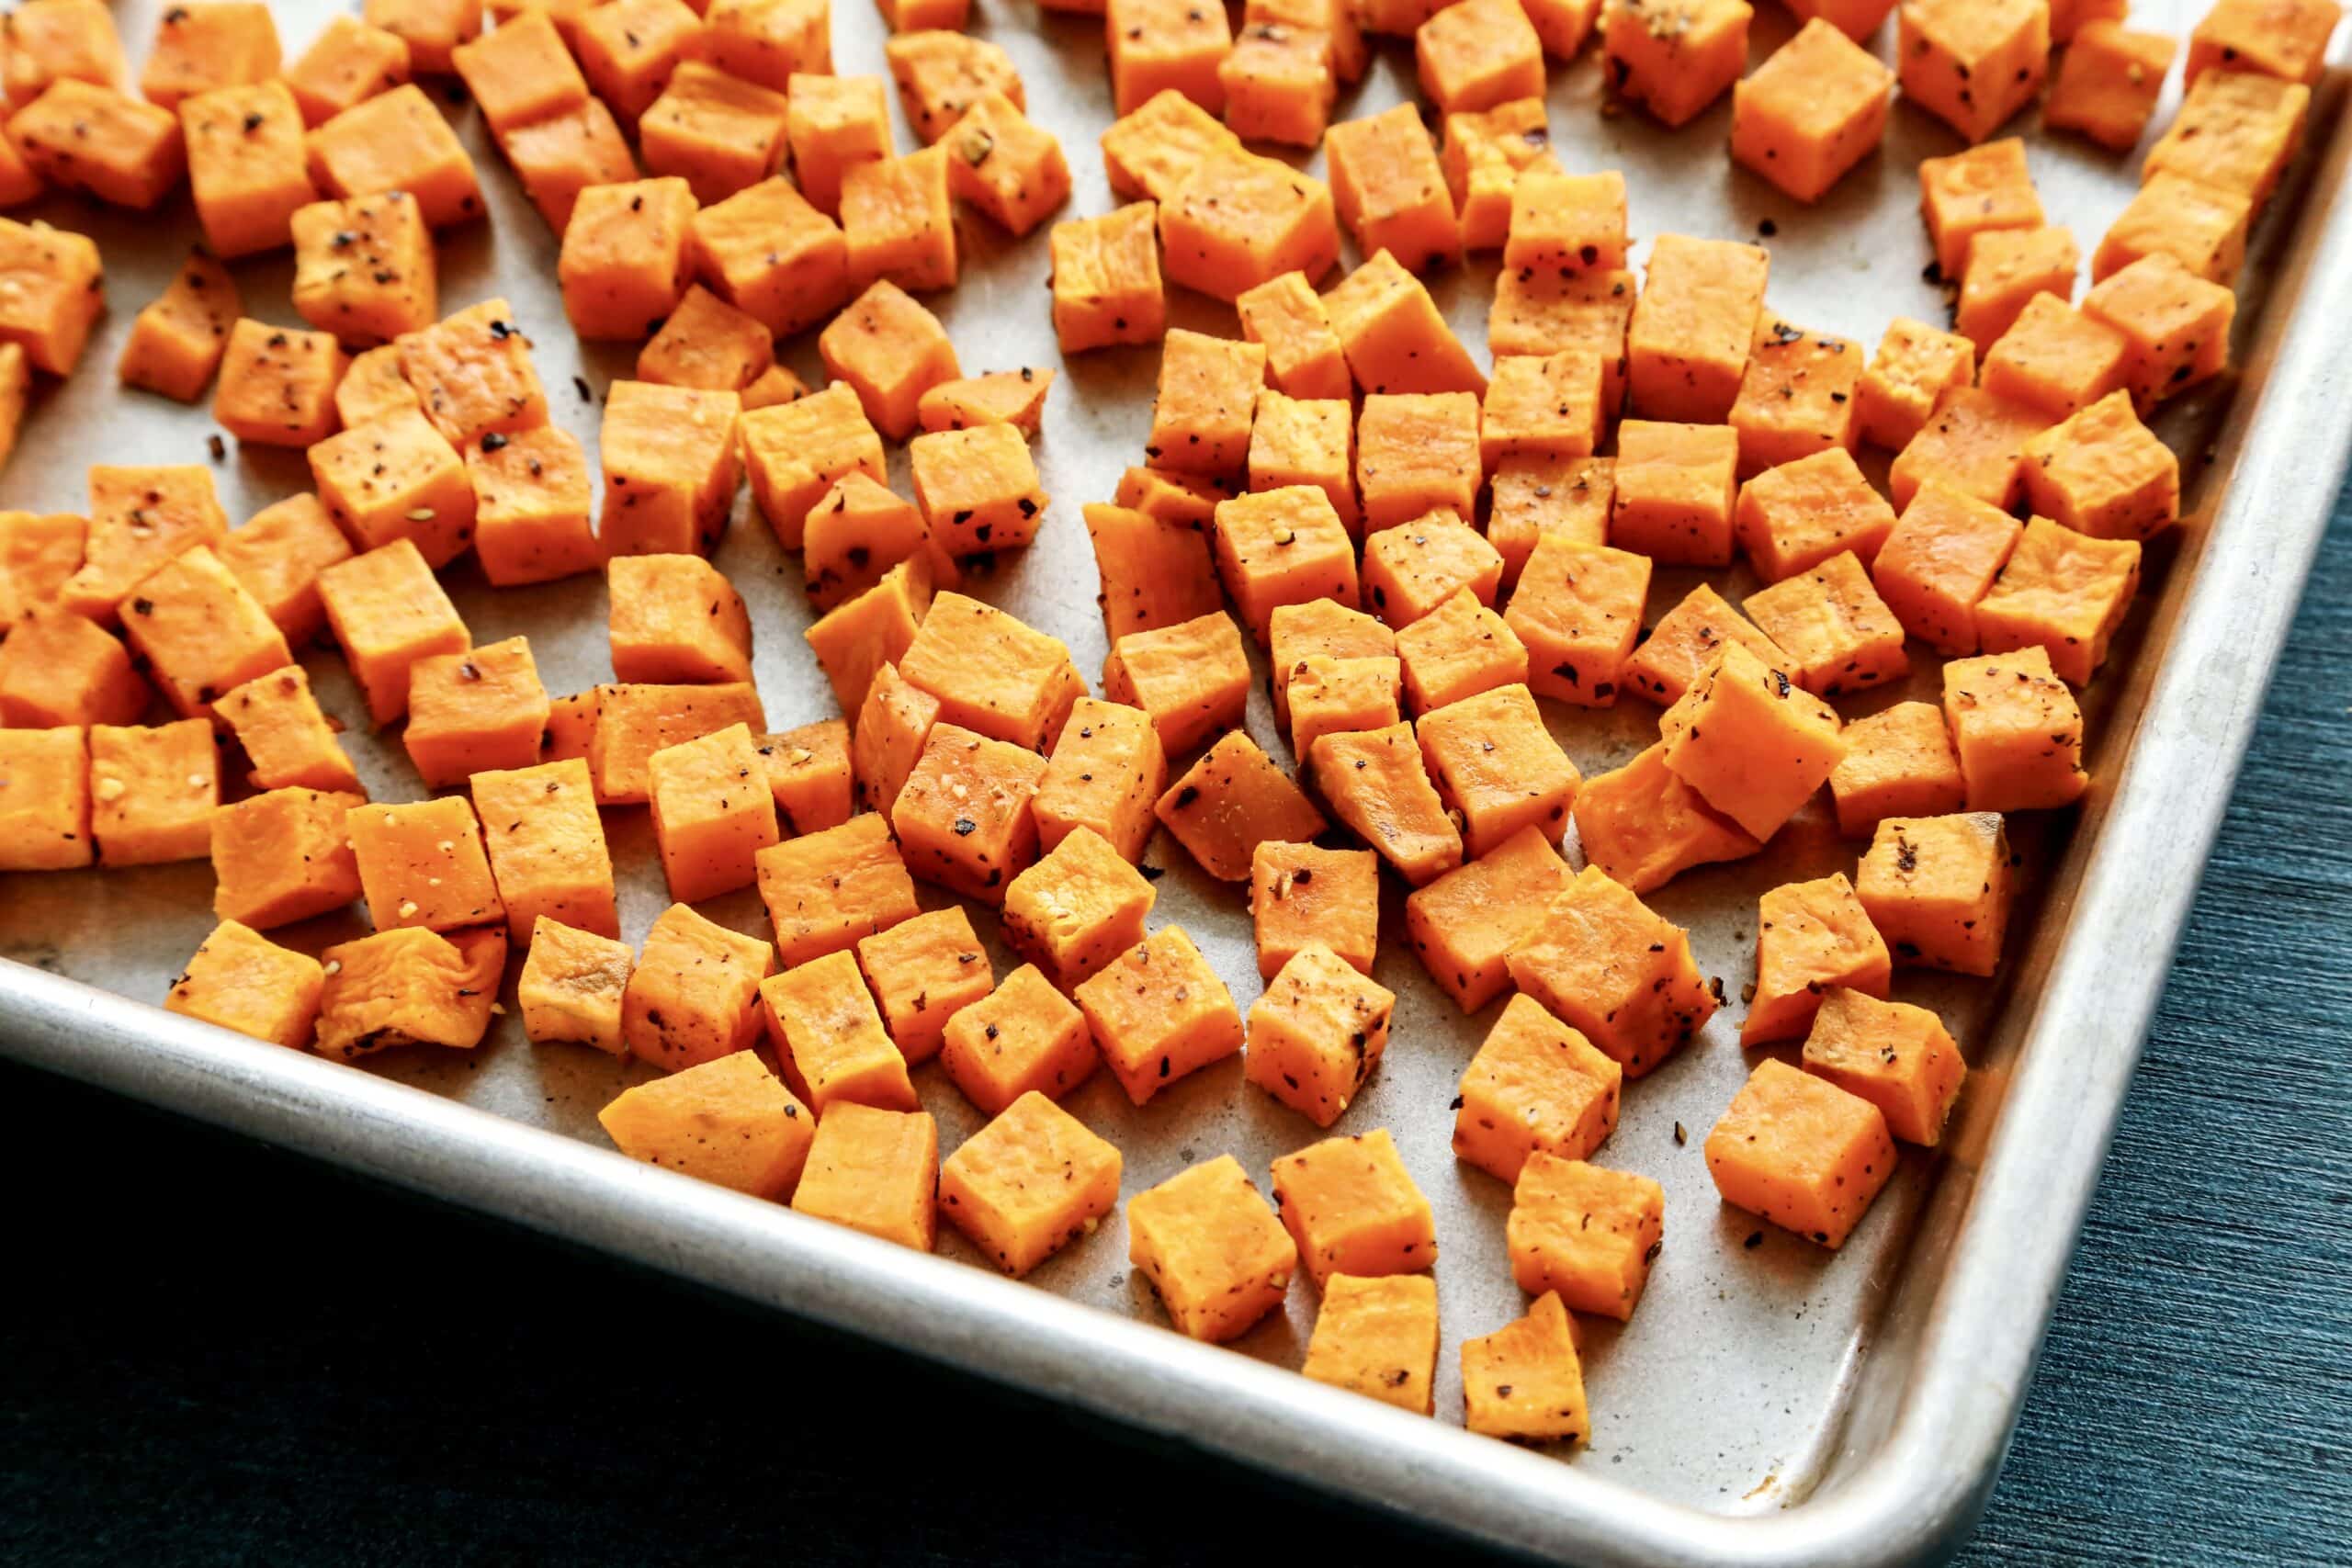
[1688,342]
[473,374]
[121,151]
[1801,1152]
[241,980]
[1377,1337]
[1974,65]
[199,633]
[38,552]
[964,813]
[1159,1013]
[1028,1183]
[1898,1057]
[1237,220]
[1192,678]
[626,257]
[389,613]
[1316,1034]
[277,385]
[2286,38]
[1812,938]
[55,291]
[547,849]
[2235,129]
[893,724]
[397,478]
[571,986]
[284,855]
[854,638]
[1899,761]
[45,799]
[1419,471]
[1352,1208]
[1644,826]
[627,48]
[1076,909]
[809,773]
[1536,1088]
[346,62]
[1980,189]
[1390,190]
[1796,397]
[1003,163]
[1524,1380]
[1838,634]
[2203,227]
[245,163]
[712,812]
[140,518]
[922,971]
[1303,355]
[1149,149]
[898,221]
[1106,772]
[1106,280]
[1296,632]
[855,534]
[1208,1244]
[364,269]
[1676,65]
[1016,398]
[531,494]
[49,41]
[1484,156]
[1542,408]
[1456,651]
[695,995]
[1305,442]
[1023,1038]
[571,728]
[1379,786]
[1394,340]
[1940,561]
[1915,366]
[177,339]
[433,29]
[1484,56]
[284,735]
[2176,325]
[1277,82]
[1675,488]
[1301,896]
[1585,1233]
[876,1171]
[409,987]
[834,123]
[1937,890]
[2103,473]
[826,890]
[707,343]
[397,140]
[153,791]
[374,387]
[776,385]
[730,1121]
[2063,593]
[2107,83]
[1686,639]
[719,133]
[1232,800]
[794,452]
[768,41]
[941,73]
[1497,766]
[633,721]
[522,72]
[2018,731]
[1208,394]
[1793,517]
[1975,443]
[1578,608]
[1602,962]
[675,619]
[1813,110]
[1158,44]
[1528,499]
[1463,925]
[670,468]
[991,673]
[1329,695]
[1544,313]
[979,489]
[422,864]
[2054,358]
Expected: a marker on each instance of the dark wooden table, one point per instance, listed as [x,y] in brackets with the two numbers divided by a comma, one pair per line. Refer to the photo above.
[210,1352]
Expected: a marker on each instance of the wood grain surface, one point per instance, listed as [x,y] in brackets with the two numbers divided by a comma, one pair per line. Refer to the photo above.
[210,1352]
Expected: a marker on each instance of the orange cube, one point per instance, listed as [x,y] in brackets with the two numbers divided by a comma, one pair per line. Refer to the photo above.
[2008,270]
[826,890]
[1463,925]
[373,387]
[1395,339]
[941,73]
[56,292]
[670,468]
[2056,359]
[1106,773]
[1029,1182]
[1484,156]
[2286,38]
[573,987]
[177,339]
[898,221]
[284,855]
[409,987]
[1331,696]
[1675,489]
[794,454]
[1474,58]
[1796,397]
[1106,280]
[769,41]
[707,343]
[1834,633]
[1208,393]
[1159,1013]
[245,163]
[1076,910]
[1298,441]
[1813,110]
[1300,631]
[769,254]
[876,1171]
[695,995]
[2017,729]
[922,971]
[531,497]
[1417,453]
[241,980]
[1973,63]
[389,613]
[396,478]
[1899,763]
[348,62]
[1675,65]
[674,619]
[473,374]
[1302,896]
[2103,473]
[1562,25]
[1692,331]
[1218,1258]
[1565,225]
[364,269]
[547,849]
[1975,443]
[890,350]
[1644,826]
[856,535]
[1458,651]
[1752,742]
[1524,1382]
[728,1122]
[1023,1038]
[1377,1337]
[2176,325]
[809,773]
[45,799]
[627,48]
[1578,608]
[1582,1235]
[120,150]
[1915,366]
[1496,765]
[1812,939]
[2108,82]
[632,722]
[1536,1088]
[1232,800]
[1378,784]
[59,669]
[276,722]
[278,557]
[964,813]
[1006,165]
[1277,82]
[1192,679]
[1970,192]
[1898,1057]
[2203,227]
[1410,570]
[522,72]
[712,813]
[198,632]
[431,29]
[856,638]
[152,791]
[1801,1152]
[1937,890]
[1352,1209]
[1283,547]
[834,123]
[1305,358]
[140,518]
[1158,44]
[50,40]
[421,864]
[1150,151]
[1601,962]
[991,673]
[1794,517]
[1389,188]
[720,133]
[1547,407]
[997,396]
[1239,221]
[1938,563]
[277,386]
[1527,499]
[482,708]
[397,140]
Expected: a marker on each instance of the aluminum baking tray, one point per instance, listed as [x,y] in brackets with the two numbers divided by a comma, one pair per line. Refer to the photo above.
[1767,1403]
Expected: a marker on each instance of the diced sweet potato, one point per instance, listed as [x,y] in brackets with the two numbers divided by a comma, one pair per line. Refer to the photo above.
[1899,763]
[389,613]
[397,140]
[794,453]
[409,987]
[729,1122]
[2102,473]
[964,813]
[2108,82]
[241,980]
[834,123]
[58,667]
[1812,111]
[695,994]
[1191,678]
[924,972]
[1578,609]
[1106,772]
[198,632]
[45,799]
[1693,326]
[1675,487]
[1524,1380]
[876,1171]
[1898,1057]
[1316,1034]
[1237,220]
[671,465]
[1675,62]
[1836,633]
[1024,1037]
[1028,1183]
[722,134]
[856,638]
[1218,1258]
[1232,800]
[1416,454]
[177,339]
[284,855]
[55,291]
[1301,896]
[1378,784]
[2017,729]
[1801,1152]
[571,986]
[1971,64]
[1377,1337]
[364,269]
[397,478]
[1585,1233]
[1937,890]
[546,848]
[1602,962]
[1644,826]
[1536,1088]
[829,1038]
[1304,355]
[826,890]
[1941,559]
[1393,337]
[285,736]
[277,386]
[1980,188]
[346,62]
[2175,324]
[2061,592]
[422,864]
[121,151]
[1915,366]
[1810,938]
[153,791]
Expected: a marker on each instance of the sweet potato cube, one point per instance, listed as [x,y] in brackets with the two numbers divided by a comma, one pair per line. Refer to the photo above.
[1686,639]
[1675,62]
[769,41]
[241,980]
[1973,65]
[1536,1088]
[719,132]
[729,1122]
[991,673]
[473,374]
[1419,470]
[892,727]
[1149,149]
[1674,491]
[199,633]
[397,478]
[531,496]
[389,613]
[1546,312]
[1812,939]
[2286,38]
[924,972]
[794,452]
[277,385]
[55,293]
[1394,340]
[1898,1057]
[712,812]
[709,344]
[1530,498]
[2054,358]
[1578,608]
[1305,442]
[284,855]
[1937,890]
[245,163]
[2018,731]
[1239,221]
[2063,593]
[941,73]
[1159,1013]
[1562,25]
[1378,784]
[857,533]
[978,488]
[1693,327]
[1463,925]
[572,987]
[422,864]
[1644,826]
[1796,397]
[1106,772]
[2102,473]
[153,791]
[626,257]
[2108,82]
[628,49]
[1278,82]
[633,721]
[2235,129]
[546,850]
[375,387]
[964,813]
[829,1037]
[834,123]
[1316,1034]
[2176,325]
[561,158]
[409,987]
[1106,280]
[1156,45]
[1980,189]
[1975,443]
[1076,909]
[434,30]
[1484,156]
[695,995]
[1329,695]
[809,774]
[1023,1038]
[1208,393]
[674,619]
[1545,406]
[1801,1152]
[769,253]
[1390,190]
[1458,651]
[1232,800]
[1477,58]
[1497,766]
[397,140]
[140,518]
[49,41]
[522,72]
[856,638]
[1028,1183]
[120,150]
[1899,763]
[1940,561]
[1300,631]
[1003,163]
[1016,398]
[346,62]
[1305,357]
[1283,547]
[177,339]
[1793,517]
[2203,227]
[670,468]
[898,223]
[364,269]
[1813,110]
[38,552]
[826,890]
[875,1171]
[1600,960]
[1352,1209]
[1753,742]
[1302,896]
[1915,366]
[1584,1232]
[1211,1247]
[1377,1337]
[571,728]
[45,799]
[1192,678]
[277,721]
[1524,1382]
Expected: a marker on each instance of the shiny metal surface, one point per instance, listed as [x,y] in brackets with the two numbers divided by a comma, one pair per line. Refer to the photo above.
[1767,1405]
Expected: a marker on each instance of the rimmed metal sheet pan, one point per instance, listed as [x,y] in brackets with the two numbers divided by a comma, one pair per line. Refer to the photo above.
[1769,1404]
